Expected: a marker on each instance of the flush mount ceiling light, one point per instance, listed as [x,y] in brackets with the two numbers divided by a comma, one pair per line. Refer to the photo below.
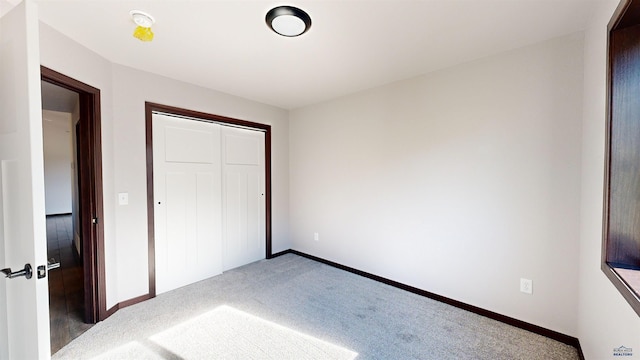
[144,21]
[288,21]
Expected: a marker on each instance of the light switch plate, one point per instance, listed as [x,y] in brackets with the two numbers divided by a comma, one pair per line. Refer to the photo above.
[123,198]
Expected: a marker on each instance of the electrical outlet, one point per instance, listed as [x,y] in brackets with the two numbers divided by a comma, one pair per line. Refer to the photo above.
[526,286]
[316,237]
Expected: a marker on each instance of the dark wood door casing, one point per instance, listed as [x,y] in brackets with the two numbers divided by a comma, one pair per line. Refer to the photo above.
[153,107]
[90,192]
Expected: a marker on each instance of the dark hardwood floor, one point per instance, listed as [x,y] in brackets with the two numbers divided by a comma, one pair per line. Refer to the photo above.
[65,284]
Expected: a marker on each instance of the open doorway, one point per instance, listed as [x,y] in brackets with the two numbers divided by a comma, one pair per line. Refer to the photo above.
[60,114]
[73,201]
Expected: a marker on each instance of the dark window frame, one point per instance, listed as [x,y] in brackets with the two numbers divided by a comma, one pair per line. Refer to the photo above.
[619,211]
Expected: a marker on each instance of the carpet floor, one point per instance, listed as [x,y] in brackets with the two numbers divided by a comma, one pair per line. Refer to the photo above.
[292,307]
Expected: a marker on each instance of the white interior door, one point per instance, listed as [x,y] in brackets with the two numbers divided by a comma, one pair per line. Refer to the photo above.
[243,199]
[24,303]
[187,191]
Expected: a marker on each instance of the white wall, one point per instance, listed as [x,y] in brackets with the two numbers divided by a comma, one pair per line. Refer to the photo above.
[606,321]
[61,54]
[131,89]
[56,134]
[123,93]
[457,182]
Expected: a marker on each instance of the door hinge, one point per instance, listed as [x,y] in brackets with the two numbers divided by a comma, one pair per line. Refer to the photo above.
[94,220]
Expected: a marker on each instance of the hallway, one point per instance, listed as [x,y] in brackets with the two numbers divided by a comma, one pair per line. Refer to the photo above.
[65,284]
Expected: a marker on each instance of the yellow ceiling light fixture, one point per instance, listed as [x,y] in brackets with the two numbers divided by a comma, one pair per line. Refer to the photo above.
[144,21]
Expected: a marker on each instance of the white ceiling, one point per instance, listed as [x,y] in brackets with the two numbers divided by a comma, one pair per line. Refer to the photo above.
[56,98]
[352,44]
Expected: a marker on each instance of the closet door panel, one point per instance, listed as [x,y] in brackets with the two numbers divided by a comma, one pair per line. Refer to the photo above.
[243,197]
[187,194]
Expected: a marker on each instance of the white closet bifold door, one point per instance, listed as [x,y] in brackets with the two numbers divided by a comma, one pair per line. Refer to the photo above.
[187,201]
[243,200]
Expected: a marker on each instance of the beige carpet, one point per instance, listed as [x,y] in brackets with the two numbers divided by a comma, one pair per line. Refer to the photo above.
[228,333]
[291,307]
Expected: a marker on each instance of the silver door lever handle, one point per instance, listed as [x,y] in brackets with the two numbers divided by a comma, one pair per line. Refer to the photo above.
[52,264]
[26,272]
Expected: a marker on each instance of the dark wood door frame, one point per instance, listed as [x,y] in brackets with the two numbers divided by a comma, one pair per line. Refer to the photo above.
[90,192]
[150,108]
[79,184]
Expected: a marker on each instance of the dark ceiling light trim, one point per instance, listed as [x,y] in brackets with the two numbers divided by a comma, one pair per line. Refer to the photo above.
[288,21]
